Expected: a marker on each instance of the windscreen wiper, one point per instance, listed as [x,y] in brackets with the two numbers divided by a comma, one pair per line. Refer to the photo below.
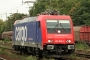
[54,27]
[62,26]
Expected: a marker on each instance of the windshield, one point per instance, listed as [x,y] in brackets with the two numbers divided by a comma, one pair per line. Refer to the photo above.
[58,26]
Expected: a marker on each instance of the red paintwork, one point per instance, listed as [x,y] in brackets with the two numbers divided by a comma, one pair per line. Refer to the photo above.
[60,38]
[54,37]
[85,33]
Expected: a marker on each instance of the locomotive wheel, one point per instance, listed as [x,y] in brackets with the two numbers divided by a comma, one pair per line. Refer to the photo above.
[33,51]
[70,51]
[25,51]
[15,48]
[37,51]
[21,51]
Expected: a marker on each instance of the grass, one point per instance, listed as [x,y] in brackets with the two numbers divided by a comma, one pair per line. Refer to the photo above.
[31,58]
[6,40]
[72,56]
[49,59]
[79,46]
[20,57]
[15,56]
[82,46]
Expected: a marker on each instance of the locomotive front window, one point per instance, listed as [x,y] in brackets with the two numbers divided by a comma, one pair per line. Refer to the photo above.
[58,26]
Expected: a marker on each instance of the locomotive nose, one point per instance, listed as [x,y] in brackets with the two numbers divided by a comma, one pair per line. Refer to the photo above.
[60,39]
[56,39]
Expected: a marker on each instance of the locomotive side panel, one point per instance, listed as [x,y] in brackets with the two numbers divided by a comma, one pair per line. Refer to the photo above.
[25,34]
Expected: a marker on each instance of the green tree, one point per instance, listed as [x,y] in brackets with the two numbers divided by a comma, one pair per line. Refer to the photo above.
[1,26]
[11,19]
[79,10]
[37,8]
[82,13]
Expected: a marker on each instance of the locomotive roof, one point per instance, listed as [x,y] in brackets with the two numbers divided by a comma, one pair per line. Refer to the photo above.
[29,19]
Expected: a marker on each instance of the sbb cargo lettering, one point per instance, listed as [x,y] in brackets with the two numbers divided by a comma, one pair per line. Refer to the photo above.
[21,33]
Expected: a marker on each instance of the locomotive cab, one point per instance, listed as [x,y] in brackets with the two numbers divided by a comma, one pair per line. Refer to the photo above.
[57,34]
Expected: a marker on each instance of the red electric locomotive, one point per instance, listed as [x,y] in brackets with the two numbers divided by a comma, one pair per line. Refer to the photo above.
[43,35]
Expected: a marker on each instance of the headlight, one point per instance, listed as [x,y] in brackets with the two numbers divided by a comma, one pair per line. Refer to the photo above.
[50,41]
[68,41]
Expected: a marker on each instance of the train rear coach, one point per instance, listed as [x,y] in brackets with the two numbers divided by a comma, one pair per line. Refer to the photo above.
[44,34]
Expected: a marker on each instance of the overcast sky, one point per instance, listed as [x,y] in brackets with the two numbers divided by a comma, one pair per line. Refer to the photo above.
[11,6]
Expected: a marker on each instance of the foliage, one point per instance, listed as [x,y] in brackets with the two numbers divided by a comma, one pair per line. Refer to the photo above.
[82,46]
[8,24]
[31,58]
[48,59]
[1,26]
[12,19]
[78,9]
[6,40]
[72,56]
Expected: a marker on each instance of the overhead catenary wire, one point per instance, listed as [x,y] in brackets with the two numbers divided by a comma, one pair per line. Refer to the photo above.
[4,1]
[5,13]
[23,3]
[12,9]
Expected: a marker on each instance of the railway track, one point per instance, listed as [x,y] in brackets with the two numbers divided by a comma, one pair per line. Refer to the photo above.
[2,58]
[58,57]
[7,46]
[82,53]
[3,43]
[78,53]
[10,49]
